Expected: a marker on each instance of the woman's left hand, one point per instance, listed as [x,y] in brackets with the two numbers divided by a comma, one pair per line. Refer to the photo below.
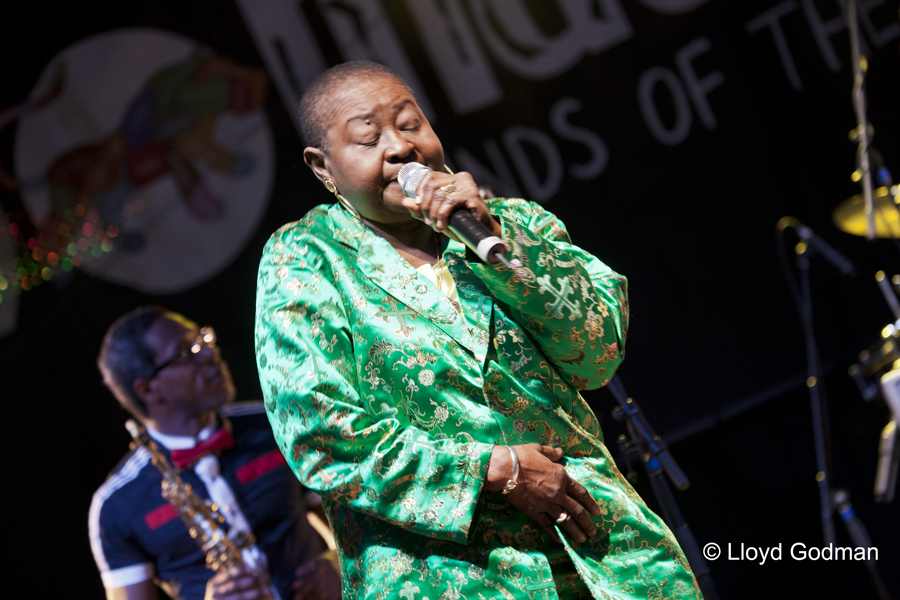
[439,195]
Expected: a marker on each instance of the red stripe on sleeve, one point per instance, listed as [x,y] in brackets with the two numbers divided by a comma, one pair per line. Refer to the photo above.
[260,466]
[158,517]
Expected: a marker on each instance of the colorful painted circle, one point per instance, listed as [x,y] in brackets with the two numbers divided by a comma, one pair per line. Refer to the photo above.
[152,152]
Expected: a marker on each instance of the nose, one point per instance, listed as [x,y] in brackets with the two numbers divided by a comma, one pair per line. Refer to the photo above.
[399,149]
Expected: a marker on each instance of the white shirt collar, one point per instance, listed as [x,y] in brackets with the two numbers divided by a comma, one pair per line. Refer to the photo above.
[183,442]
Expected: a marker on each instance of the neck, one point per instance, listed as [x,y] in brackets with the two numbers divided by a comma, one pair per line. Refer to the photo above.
[180,424]
[415,238]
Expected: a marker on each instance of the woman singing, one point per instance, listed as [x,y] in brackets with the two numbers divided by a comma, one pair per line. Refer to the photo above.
[432,400]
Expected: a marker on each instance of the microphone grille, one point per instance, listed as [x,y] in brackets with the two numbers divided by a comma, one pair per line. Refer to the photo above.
[410,177]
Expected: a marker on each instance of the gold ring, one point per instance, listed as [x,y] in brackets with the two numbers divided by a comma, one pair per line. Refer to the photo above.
[562,518]
[448,189]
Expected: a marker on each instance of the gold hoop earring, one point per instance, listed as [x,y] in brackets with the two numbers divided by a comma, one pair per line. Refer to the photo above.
[331,187]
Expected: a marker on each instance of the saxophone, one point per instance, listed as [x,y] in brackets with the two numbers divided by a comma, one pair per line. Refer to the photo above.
[202,517]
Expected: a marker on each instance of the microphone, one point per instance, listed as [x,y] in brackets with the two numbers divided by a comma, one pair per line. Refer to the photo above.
[463,223]
[843,265]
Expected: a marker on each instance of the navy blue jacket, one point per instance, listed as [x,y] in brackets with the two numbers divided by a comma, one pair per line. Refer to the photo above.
[137,535]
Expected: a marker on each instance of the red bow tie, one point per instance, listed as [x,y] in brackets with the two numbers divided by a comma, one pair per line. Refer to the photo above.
[220,440]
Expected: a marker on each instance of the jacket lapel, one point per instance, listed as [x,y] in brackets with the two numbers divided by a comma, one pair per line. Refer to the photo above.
[389,271]
[476,300]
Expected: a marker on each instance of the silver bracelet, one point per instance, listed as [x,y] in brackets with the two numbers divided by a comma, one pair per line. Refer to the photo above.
[514,479]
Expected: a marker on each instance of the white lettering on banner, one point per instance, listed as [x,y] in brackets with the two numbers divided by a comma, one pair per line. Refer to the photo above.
[881,37]
[673,7]
[772,19]
[292,54]
[453,51]
[525,50]
[823,30]
[362,31]
[501,180]
[544,185]
[514,139]
[699,88]
[561,127]
[298,38]
[287,46]
[689,85]
[683,117]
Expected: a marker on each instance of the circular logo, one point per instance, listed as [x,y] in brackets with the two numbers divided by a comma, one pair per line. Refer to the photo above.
[147,160]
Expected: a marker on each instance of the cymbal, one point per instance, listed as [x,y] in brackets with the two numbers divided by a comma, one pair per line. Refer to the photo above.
[850,215]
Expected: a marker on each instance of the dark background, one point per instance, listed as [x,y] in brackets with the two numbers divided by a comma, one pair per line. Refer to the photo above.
[715,351]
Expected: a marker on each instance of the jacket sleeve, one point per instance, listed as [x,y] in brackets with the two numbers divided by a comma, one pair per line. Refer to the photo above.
[338,442]
[573,305]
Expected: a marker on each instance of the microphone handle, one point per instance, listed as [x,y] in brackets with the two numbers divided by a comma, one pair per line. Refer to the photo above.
[482,242]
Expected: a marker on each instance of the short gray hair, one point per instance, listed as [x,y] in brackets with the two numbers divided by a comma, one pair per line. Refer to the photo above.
[312,110]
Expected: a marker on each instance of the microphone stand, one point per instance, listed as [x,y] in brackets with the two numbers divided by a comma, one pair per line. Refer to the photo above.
[659,464]
[828,497]
[821,431]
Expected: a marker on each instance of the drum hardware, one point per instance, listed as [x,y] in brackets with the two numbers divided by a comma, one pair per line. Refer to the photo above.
[878,359]
[877,374]
[850,215]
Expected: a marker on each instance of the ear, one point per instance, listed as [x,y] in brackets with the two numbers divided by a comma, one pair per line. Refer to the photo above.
[316,160]
[143,389]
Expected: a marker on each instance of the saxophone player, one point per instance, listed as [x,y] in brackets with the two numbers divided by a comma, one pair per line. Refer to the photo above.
[169,373]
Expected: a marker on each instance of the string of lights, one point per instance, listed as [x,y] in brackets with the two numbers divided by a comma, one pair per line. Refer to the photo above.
[60,245]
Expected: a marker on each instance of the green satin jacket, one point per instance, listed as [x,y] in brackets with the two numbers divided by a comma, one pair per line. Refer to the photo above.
[387,398]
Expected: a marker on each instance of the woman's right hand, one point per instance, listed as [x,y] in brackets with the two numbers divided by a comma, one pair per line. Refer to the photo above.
[544,491]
